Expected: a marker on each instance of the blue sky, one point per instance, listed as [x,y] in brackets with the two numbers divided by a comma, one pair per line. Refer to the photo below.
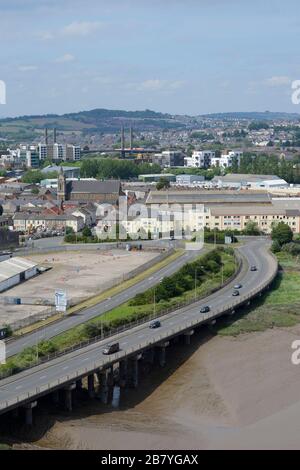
[186,57]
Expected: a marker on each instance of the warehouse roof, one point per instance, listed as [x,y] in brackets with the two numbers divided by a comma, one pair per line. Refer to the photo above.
[207,197]
[13,266]
[237,177]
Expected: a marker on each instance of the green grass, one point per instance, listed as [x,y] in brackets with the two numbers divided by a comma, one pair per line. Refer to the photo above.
[279,307]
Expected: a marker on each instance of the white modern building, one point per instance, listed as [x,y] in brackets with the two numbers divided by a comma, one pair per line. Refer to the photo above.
[227,159]
[199,159]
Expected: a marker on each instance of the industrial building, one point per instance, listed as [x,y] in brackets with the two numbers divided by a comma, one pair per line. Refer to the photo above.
[15,270]
[249,181]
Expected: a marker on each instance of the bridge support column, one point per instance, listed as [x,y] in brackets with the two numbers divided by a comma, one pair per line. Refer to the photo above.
[134,370]
[55,397]
[123,370]
[151,355]
[91,385]
[79,384]
[28,412]
[162,353]
[15,412]
[187,336]
[103,386]
[68,396]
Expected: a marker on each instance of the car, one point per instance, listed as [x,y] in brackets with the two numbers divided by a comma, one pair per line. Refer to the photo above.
[238,286]
[253,268]
[155,324]
[235,293]
[205,309]
[111,348]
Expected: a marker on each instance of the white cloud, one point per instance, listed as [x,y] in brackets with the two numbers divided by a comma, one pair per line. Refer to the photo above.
[157,85]
[278,81]
[27,68]
[65,58]
[81,28]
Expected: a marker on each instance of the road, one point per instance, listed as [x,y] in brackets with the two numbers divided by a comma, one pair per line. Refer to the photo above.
[86,314]
[53,374]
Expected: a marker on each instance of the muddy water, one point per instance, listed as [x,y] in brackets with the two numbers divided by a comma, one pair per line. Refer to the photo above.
[216,393]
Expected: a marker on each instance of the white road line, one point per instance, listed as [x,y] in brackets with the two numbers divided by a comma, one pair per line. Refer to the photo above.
[43,377]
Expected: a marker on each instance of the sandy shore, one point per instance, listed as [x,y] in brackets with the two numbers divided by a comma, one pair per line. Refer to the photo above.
[220,393]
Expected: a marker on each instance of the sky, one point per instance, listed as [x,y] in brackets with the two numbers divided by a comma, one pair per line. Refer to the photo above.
[175,56]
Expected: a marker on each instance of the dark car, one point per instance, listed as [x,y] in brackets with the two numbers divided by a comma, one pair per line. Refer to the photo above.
[155,324]
[238,286]
[205,309]
[111,348]
[253,268]
[235,293]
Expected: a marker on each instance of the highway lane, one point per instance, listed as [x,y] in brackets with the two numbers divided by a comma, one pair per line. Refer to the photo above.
[54,329]
[91,357]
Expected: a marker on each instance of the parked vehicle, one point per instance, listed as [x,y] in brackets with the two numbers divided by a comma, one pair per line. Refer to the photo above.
[111,348]
[155,324]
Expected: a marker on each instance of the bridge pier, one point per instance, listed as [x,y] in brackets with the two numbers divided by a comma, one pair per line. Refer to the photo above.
[91,385]
[123,370]
[68,396]
[187,336]
[162,353]
[79,384]
[134,371]
[28,412]
[55,397]
[103,386]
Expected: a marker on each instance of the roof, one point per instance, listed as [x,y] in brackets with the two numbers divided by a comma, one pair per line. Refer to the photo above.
[236,178]
[28,216]
[13,266]
[94,187]
[207,197]
[276,208]
[57,168]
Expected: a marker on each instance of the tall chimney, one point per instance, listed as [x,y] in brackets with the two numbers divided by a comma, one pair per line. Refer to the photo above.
[131,139]
[122,138]
[46,136]
[54,135]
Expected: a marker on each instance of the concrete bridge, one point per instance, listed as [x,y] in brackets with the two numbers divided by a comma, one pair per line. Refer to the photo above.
[62,375]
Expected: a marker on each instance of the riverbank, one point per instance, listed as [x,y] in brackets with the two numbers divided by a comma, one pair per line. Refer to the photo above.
[226,392]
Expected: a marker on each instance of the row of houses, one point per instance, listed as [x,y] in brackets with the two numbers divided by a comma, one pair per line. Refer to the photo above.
[169,211]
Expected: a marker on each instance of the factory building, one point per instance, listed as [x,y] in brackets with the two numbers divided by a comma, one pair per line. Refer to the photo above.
[15,270]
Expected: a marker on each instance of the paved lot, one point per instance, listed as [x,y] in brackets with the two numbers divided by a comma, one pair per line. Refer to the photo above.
[81,274]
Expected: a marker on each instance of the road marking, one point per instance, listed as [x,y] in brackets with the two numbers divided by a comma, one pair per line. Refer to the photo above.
[43,377]
[18,387]
[67,367]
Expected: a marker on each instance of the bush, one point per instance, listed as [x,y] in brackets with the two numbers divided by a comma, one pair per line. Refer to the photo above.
[292,248]
[276,247]
[282,233]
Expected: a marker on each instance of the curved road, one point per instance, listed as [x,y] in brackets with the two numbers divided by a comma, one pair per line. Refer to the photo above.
[65,369]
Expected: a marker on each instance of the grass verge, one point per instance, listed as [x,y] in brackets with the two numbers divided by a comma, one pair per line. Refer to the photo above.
[278,307]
